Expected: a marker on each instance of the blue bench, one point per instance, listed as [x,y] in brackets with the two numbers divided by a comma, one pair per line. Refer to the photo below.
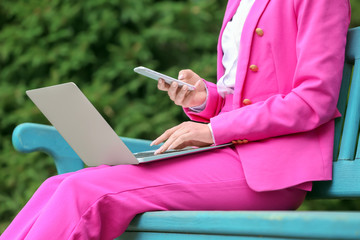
[29,137]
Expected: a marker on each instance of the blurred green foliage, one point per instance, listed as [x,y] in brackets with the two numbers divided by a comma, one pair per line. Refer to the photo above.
[96,44]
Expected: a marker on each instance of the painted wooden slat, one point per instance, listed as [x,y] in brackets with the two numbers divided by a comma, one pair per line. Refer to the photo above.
[345,183]
[352,55]
[276,224]
[357,156]
[352,46]
[342,102]
[352,118]
[185,236]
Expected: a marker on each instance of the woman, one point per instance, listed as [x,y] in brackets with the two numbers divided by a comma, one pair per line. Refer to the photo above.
[279,70]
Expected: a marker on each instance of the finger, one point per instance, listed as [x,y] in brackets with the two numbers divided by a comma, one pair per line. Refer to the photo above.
[165,146]
[162,85]
[177,134]
[183,74]
[191,94]
[164,136]
[187,75]
[173,91]
[198,85]
[159,140]
[179,99]
[180,141]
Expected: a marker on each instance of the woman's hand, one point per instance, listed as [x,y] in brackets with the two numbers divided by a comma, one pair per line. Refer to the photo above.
[183,135]
[181,95]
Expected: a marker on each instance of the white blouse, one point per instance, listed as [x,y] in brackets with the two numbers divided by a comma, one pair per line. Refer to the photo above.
[230,43]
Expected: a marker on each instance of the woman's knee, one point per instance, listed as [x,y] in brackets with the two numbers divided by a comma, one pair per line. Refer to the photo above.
[70,179]
[81,187]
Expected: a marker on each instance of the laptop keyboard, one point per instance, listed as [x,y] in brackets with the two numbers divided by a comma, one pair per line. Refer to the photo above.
[144,154]
[151,153]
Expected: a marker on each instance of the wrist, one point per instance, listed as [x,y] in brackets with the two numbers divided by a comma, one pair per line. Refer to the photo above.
[201,107]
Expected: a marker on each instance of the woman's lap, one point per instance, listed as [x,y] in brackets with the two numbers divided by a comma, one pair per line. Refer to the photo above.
[104,199]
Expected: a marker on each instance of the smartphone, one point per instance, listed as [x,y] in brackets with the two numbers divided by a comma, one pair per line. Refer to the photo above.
[156,75]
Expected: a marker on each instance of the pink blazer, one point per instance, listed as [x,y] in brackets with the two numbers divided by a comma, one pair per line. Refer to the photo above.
[289,71]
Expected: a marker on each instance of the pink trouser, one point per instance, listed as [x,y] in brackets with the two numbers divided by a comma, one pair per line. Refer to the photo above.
[100,202]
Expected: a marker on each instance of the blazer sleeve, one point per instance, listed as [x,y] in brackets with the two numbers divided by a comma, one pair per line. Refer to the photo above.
[321,38]
[212,108]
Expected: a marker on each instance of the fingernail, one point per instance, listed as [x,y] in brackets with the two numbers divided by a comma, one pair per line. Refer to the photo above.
[158,151]
[181,76]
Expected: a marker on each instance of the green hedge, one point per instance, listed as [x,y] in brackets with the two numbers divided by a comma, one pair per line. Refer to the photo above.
[96,44]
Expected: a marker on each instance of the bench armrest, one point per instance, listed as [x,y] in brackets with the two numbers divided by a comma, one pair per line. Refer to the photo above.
[32,137]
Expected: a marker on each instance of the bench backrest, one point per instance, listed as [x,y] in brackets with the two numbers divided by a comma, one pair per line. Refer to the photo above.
[346,167]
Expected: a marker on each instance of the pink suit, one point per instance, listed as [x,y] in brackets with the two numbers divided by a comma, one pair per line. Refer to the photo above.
[293,89]
[290,68]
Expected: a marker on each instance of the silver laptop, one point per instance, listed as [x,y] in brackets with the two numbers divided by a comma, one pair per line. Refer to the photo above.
[87,132]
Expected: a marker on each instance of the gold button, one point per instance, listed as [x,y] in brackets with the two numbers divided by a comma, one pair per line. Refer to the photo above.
[244,141]
[254,68]
[259,32]
[246,101]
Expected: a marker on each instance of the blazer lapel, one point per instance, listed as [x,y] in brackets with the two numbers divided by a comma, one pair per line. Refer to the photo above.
[246,41]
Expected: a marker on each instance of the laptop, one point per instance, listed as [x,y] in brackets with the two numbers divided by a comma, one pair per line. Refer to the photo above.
[87,132]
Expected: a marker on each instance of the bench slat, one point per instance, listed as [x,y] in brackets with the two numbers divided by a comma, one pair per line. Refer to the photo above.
[352,118]
[183,236]
[272,224]
[341,105]
[346,183]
